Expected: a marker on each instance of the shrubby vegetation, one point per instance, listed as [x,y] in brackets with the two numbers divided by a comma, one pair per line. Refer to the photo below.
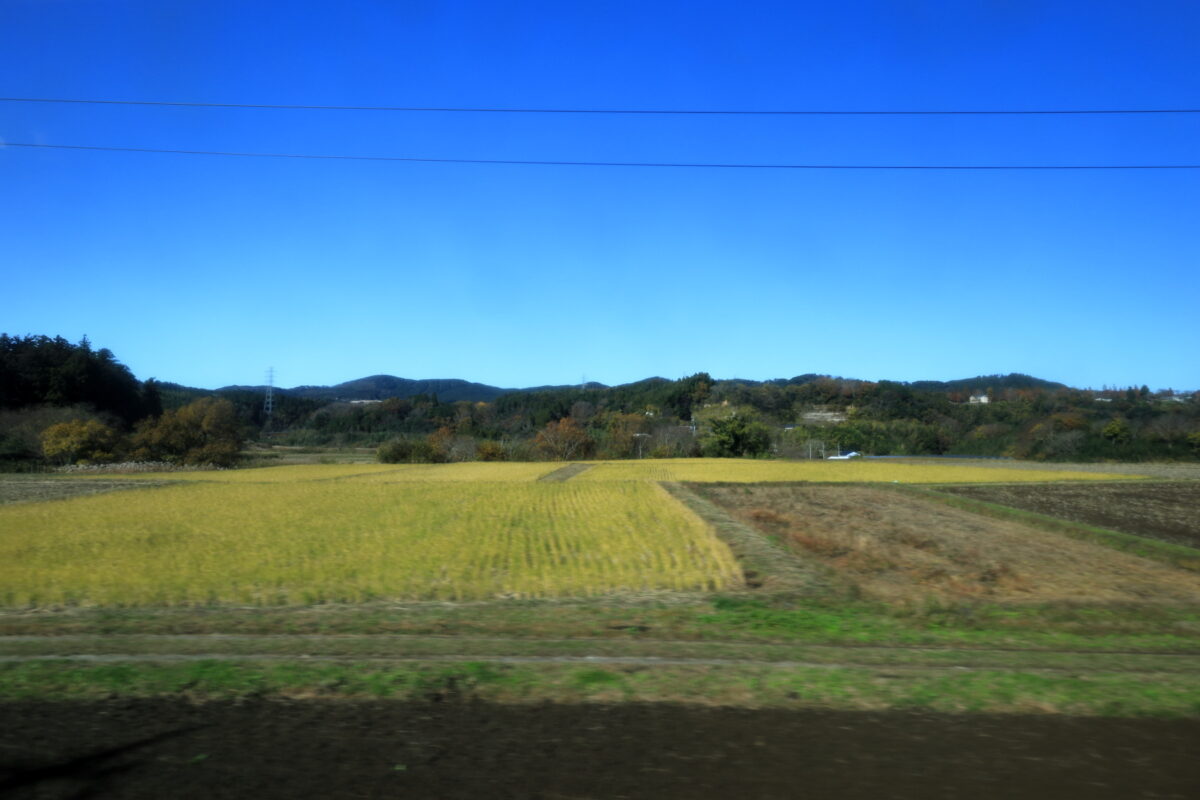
[108,414]
[63,403]
[206,431]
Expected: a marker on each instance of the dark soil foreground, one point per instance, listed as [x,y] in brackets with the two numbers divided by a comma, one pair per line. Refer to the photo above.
[344,749]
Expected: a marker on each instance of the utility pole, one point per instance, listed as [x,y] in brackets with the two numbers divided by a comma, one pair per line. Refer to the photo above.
[638,438]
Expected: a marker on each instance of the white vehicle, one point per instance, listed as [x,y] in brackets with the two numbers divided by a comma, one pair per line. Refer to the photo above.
[846,457]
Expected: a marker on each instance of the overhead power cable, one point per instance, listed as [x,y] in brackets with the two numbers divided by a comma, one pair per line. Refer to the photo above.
[407,159]
[647,111]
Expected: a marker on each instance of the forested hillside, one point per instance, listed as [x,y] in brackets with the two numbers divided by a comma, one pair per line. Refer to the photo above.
[62,403]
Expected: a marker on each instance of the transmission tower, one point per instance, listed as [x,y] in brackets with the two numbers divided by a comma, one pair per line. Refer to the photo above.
[269,402]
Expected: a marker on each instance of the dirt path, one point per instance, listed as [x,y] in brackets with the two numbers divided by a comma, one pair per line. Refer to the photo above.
[452,749]
[564,473]
[383,649]
[1150,669]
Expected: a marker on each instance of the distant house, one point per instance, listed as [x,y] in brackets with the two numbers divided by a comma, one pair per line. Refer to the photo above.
[823,417]
[979,399]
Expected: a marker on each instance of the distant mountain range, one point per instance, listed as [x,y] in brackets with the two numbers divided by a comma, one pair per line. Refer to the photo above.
[381,387]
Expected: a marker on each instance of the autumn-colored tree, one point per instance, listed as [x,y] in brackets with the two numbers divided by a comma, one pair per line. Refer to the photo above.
[563,440]
[80,441]
[619,434]
[205,431]
[440,443]
[489,450]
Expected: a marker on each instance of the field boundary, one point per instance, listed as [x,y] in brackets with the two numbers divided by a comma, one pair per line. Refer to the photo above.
[647,651]
[744,685]
[619,660]
[765,564]
[564,473]
[1175,555]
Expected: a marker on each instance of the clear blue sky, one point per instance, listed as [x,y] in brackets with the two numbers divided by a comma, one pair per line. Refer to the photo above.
[206,270]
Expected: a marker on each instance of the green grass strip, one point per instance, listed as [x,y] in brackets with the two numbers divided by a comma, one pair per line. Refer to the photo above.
[759,686]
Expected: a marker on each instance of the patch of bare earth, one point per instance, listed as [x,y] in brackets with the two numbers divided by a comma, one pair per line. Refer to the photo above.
[564,473]
[28,489]
[903,549]
[170,748]
[1169,512]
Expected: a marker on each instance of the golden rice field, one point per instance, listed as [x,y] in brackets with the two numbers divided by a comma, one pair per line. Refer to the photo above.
[465,471]
[304,542]
[305,534]
[705,470]
[462,471]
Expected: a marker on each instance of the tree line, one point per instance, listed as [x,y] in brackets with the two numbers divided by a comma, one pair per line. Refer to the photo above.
[64,403]
[70,403]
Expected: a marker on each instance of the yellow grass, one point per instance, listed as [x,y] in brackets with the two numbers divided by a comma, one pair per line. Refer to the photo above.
[704,470]
[387,473]
[351,541]
[465,471]
[282,474]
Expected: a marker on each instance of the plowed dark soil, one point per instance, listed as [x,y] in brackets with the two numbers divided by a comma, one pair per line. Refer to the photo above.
[1166,511]
[318,749]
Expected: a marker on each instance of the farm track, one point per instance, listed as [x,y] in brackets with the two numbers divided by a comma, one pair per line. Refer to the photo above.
[150,648]
[625,661]
[564,473]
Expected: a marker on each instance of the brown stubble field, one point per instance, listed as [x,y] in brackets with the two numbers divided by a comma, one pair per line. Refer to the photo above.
[1169,512]
[905,549]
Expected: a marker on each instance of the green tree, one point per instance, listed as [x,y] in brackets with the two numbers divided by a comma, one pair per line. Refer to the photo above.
[408,450]
[1117,431]
[38,370]
[735,436]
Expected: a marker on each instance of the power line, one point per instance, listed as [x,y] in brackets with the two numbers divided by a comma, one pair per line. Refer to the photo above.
[517,162]
[646,111]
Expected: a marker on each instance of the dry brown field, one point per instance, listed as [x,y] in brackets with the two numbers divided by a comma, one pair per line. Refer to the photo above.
[901,548]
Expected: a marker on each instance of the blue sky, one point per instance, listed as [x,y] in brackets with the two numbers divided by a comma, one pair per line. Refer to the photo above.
[206,270]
